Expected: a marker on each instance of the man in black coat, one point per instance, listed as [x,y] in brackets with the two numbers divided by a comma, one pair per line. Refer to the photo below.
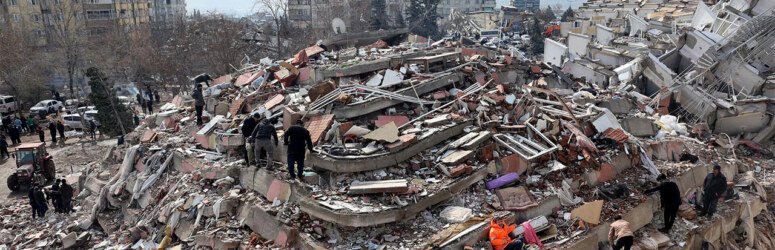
[40,202]
[297,137]
[33,203]
[56,198]
[52,128]
[61,129]
[199,103]
[670,197]
[247,131]
[66,193]
[714,187]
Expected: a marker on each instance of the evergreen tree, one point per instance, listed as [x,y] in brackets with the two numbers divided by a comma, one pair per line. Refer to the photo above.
[536,37]
[378,15]
[549,14]
[421,17]
[111,111]
[569,15]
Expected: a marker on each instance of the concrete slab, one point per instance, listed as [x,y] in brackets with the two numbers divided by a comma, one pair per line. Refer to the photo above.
[376,187]
[640,127]
[387,133]
[458,157]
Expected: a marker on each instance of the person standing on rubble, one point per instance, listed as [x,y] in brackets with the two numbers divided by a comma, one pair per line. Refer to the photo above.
[247,132]
[33,202]
[66,196]
[52,128]
[41,133]
[670,197]
[55,196]
[714,186]
[296,137]
[266,139]
[3,147]
[61,128]
[620,236]
[199,103]
[40,202]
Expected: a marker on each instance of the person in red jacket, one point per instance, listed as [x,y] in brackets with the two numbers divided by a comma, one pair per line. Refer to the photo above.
[499,234]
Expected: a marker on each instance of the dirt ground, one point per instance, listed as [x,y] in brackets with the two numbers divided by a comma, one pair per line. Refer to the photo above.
[69,157]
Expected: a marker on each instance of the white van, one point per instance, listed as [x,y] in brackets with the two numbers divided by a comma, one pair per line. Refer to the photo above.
[8,104]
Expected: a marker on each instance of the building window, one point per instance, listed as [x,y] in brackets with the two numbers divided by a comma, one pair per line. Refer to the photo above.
[33,2]
[13,2]
[16,18]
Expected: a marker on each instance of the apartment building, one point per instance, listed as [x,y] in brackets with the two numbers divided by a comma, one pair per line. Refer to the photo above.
[167,11]
[448,6]
[529,5]
[101,15]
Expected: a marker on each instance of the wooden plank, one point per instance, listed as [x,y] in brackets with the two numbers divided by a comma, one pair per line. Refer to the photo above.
[375,187]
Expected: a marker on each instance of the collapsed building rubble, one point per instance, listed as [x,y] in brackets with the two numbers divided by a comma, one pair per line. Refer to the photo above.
[420,145]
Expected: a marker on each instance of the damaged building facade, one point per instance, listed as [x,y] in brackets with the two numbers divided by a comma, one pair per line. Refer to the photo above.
[420,144]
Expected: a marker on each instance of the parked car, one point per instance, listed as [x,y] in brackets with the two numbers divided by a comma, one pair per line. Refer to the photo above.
[91,115]
[8,104]
[45,105]
[72,121]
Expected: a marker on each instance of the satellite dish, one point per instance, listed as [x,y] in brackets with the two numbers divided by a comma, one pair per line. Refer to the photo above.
[339,26]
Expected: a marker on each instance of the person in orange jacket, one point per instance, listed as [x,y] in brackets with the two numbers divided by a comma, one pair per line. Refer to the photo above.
[499,234]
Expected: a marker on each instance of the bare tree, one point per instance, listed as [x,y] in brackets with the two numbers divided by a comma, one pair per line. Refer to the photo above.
[67,30]
[21,69]
[278,9]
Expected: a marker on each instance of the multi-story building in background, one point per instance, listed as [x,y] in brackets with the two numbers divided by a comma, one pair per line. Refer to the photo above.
[43,17]
[102,15]
[352,15]
[529,5]
[167,11]
[446,7]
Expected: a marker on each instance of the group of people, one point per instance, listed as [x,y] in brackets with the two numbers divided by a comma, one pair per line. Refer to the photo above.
[60,195]
[262,137]
[15,126]
[147,99]
[621,236]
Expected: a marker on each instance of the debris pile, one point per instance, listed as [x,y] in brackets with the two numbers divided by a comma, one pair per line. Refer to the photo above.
[421,145]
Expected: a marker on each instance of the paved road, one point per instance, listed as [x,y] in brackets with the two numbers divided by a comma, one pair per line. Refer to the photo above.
[75,153]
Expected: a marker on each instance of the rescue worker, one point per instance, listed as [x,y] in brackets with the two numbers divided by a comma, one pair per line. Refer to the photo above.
[265,137]
[66,196]
[670,197]
[3,147]
[620,236]
[13,132]
[33,203]
[93,129]
[61,128]
[56,198]
[41,133]
[52,128]
[296,137]
[247,132]
[40,202]
[199,103]
[499,234]
[714,187]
